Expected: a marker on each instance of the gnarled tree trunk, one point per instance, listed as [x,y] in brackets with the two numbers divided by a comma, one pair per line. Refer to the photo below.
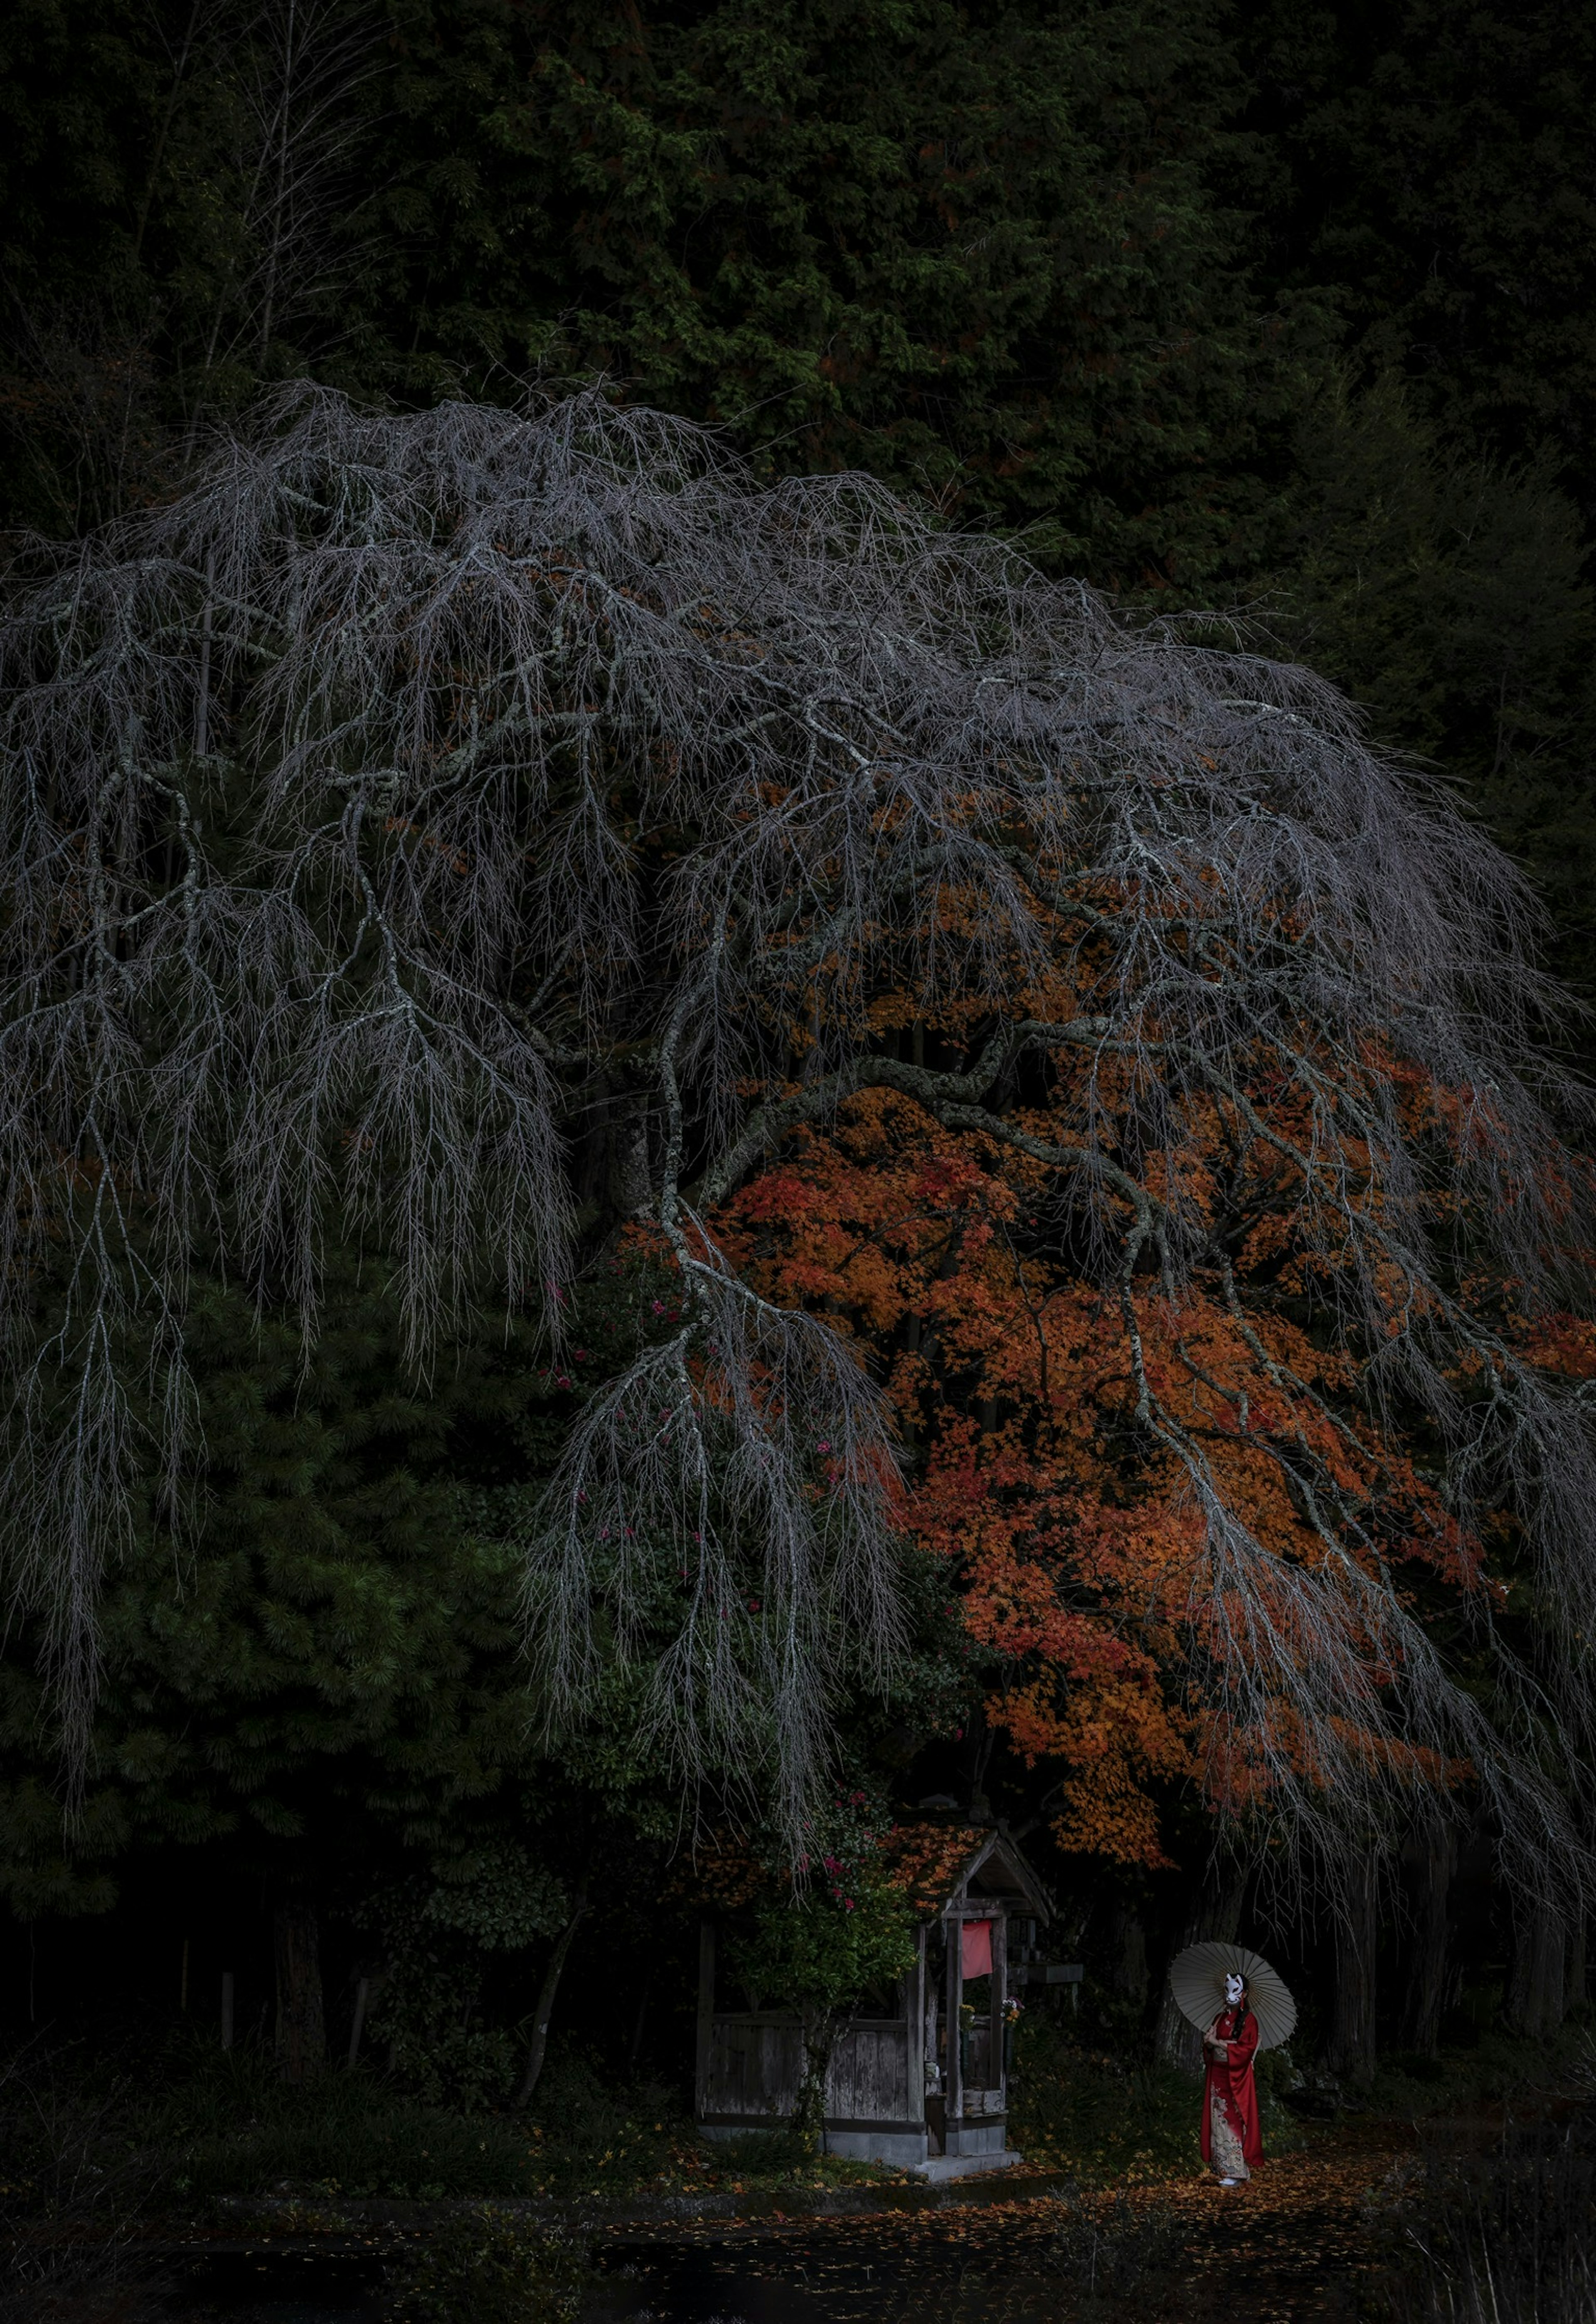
[1128,1973]
[301,2035]
[820,2029]
[537,2049]
[1536,1993]
[1351,2052]
[1216,1913]
[1430,1859]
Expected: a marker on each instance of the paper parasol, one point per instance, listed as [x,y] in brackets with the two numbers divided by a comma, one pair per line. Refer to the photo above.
[1197,1981]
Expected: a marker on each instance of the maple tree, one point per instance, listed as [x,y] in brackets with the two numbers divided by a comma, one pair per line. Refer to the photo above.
[1191,1516]
[489,837]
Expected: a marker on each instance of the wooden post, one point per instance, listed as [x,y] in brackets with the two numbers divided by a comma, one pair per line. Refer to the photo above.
[953,2096]
[999,2069]
[706,2013]
[915,2012]
[227,2009]
[933,2055]
[357,2023]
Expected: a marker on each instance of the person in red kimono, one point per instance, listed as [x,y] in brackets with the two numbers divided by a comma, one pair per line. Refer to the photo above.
[1232,2141]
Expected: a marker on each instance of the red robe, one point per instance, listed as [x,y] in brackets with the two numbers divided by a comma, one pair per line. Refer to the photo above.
[1234,2082]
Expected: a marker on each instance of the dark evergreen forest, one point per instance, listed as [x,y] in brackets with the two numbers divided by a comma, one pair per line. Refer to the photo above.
[1274,320]
[1285,311]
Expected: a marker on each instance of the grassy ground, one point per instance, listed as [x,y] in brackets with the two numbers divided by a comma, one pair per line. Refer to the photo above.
[225,2126]
[1095,2117]
[1100,2118]
[1374,2221]
[193,2126]
[1491,2235]
[1500,2070]
[1457,2195]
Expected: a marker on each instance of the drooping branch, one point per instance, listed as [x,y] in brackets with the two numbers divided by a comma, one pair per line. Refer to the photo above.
[413,794]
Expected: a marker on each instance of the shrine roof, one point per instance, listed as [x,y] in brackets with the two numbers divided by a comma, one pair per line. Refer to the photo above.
[928,1858]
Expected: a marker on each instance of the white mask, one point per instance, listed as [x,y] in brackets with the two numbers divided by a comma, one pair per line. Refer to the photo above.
[1234,1989]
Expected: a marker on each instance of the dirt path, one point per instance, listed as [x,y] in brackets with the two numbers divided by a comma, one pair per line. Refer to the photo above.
[1288,2249]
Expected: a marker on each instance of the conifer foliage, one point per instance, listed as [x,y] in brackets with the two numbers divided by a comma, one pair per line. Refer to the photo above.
[485,834]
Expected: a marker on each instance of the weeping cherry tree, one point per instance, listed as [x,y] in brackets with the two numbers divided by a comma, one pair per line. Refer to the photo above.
[478,836]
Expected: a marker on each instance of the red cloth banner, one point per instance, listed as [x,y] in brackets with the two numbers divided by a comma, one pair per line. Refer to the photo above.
[975,1947]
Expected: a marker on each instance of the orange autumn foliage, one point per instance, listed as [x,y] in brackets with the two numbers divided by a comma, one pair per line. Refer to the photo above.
[1084,1561]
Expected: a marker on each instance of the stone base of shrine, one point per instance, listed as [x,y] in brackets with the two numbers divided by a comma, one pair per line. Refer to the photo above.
[939,2167]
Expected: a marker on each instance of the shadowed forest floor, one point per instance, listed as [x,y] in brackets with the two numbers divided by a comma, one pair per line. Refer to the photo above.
[1292,2246]
[1423,2209]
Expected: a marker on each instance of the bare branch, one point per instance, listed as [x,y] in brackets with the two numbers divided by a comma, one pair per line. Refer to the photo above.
[412,792]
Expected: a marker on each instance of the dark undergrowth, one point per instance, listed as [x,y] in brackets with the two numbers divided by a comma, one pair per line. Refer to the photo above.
[1502,2237]
[1102,2117]
[74,2193]
[224,2124]
[1496,2068]
[1120,2263]
[197,2128]
[490,2267]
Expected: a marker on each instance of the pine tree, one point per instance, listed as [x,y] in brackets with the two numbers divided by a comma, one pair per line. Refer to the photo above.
[311,1647]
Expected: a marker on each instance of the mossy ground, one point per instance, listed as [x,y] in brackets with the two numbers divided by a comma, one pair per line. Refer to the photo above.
[1098,2118]
[199,2128]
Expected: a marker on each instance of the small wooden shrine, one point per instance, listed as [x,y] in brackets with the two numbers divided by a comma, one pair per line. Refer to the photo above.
[920,2082]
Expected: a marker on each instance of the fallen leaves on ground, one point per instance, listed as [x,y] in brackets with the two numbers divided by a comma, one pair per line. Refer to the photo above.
[1286,2249]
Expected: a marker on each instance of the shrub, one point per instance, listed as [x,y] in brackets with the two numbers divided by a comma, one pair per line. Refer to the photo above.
[491,2266]
[1487,2239]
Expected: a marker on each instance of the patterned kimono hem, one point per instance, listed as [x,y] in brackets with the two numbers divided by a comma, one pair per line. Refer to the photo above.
[1225,2141]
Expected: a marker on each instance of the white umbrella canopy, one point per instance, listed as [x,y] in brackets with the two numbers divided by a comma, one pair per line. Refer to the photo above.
[1197,1981]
